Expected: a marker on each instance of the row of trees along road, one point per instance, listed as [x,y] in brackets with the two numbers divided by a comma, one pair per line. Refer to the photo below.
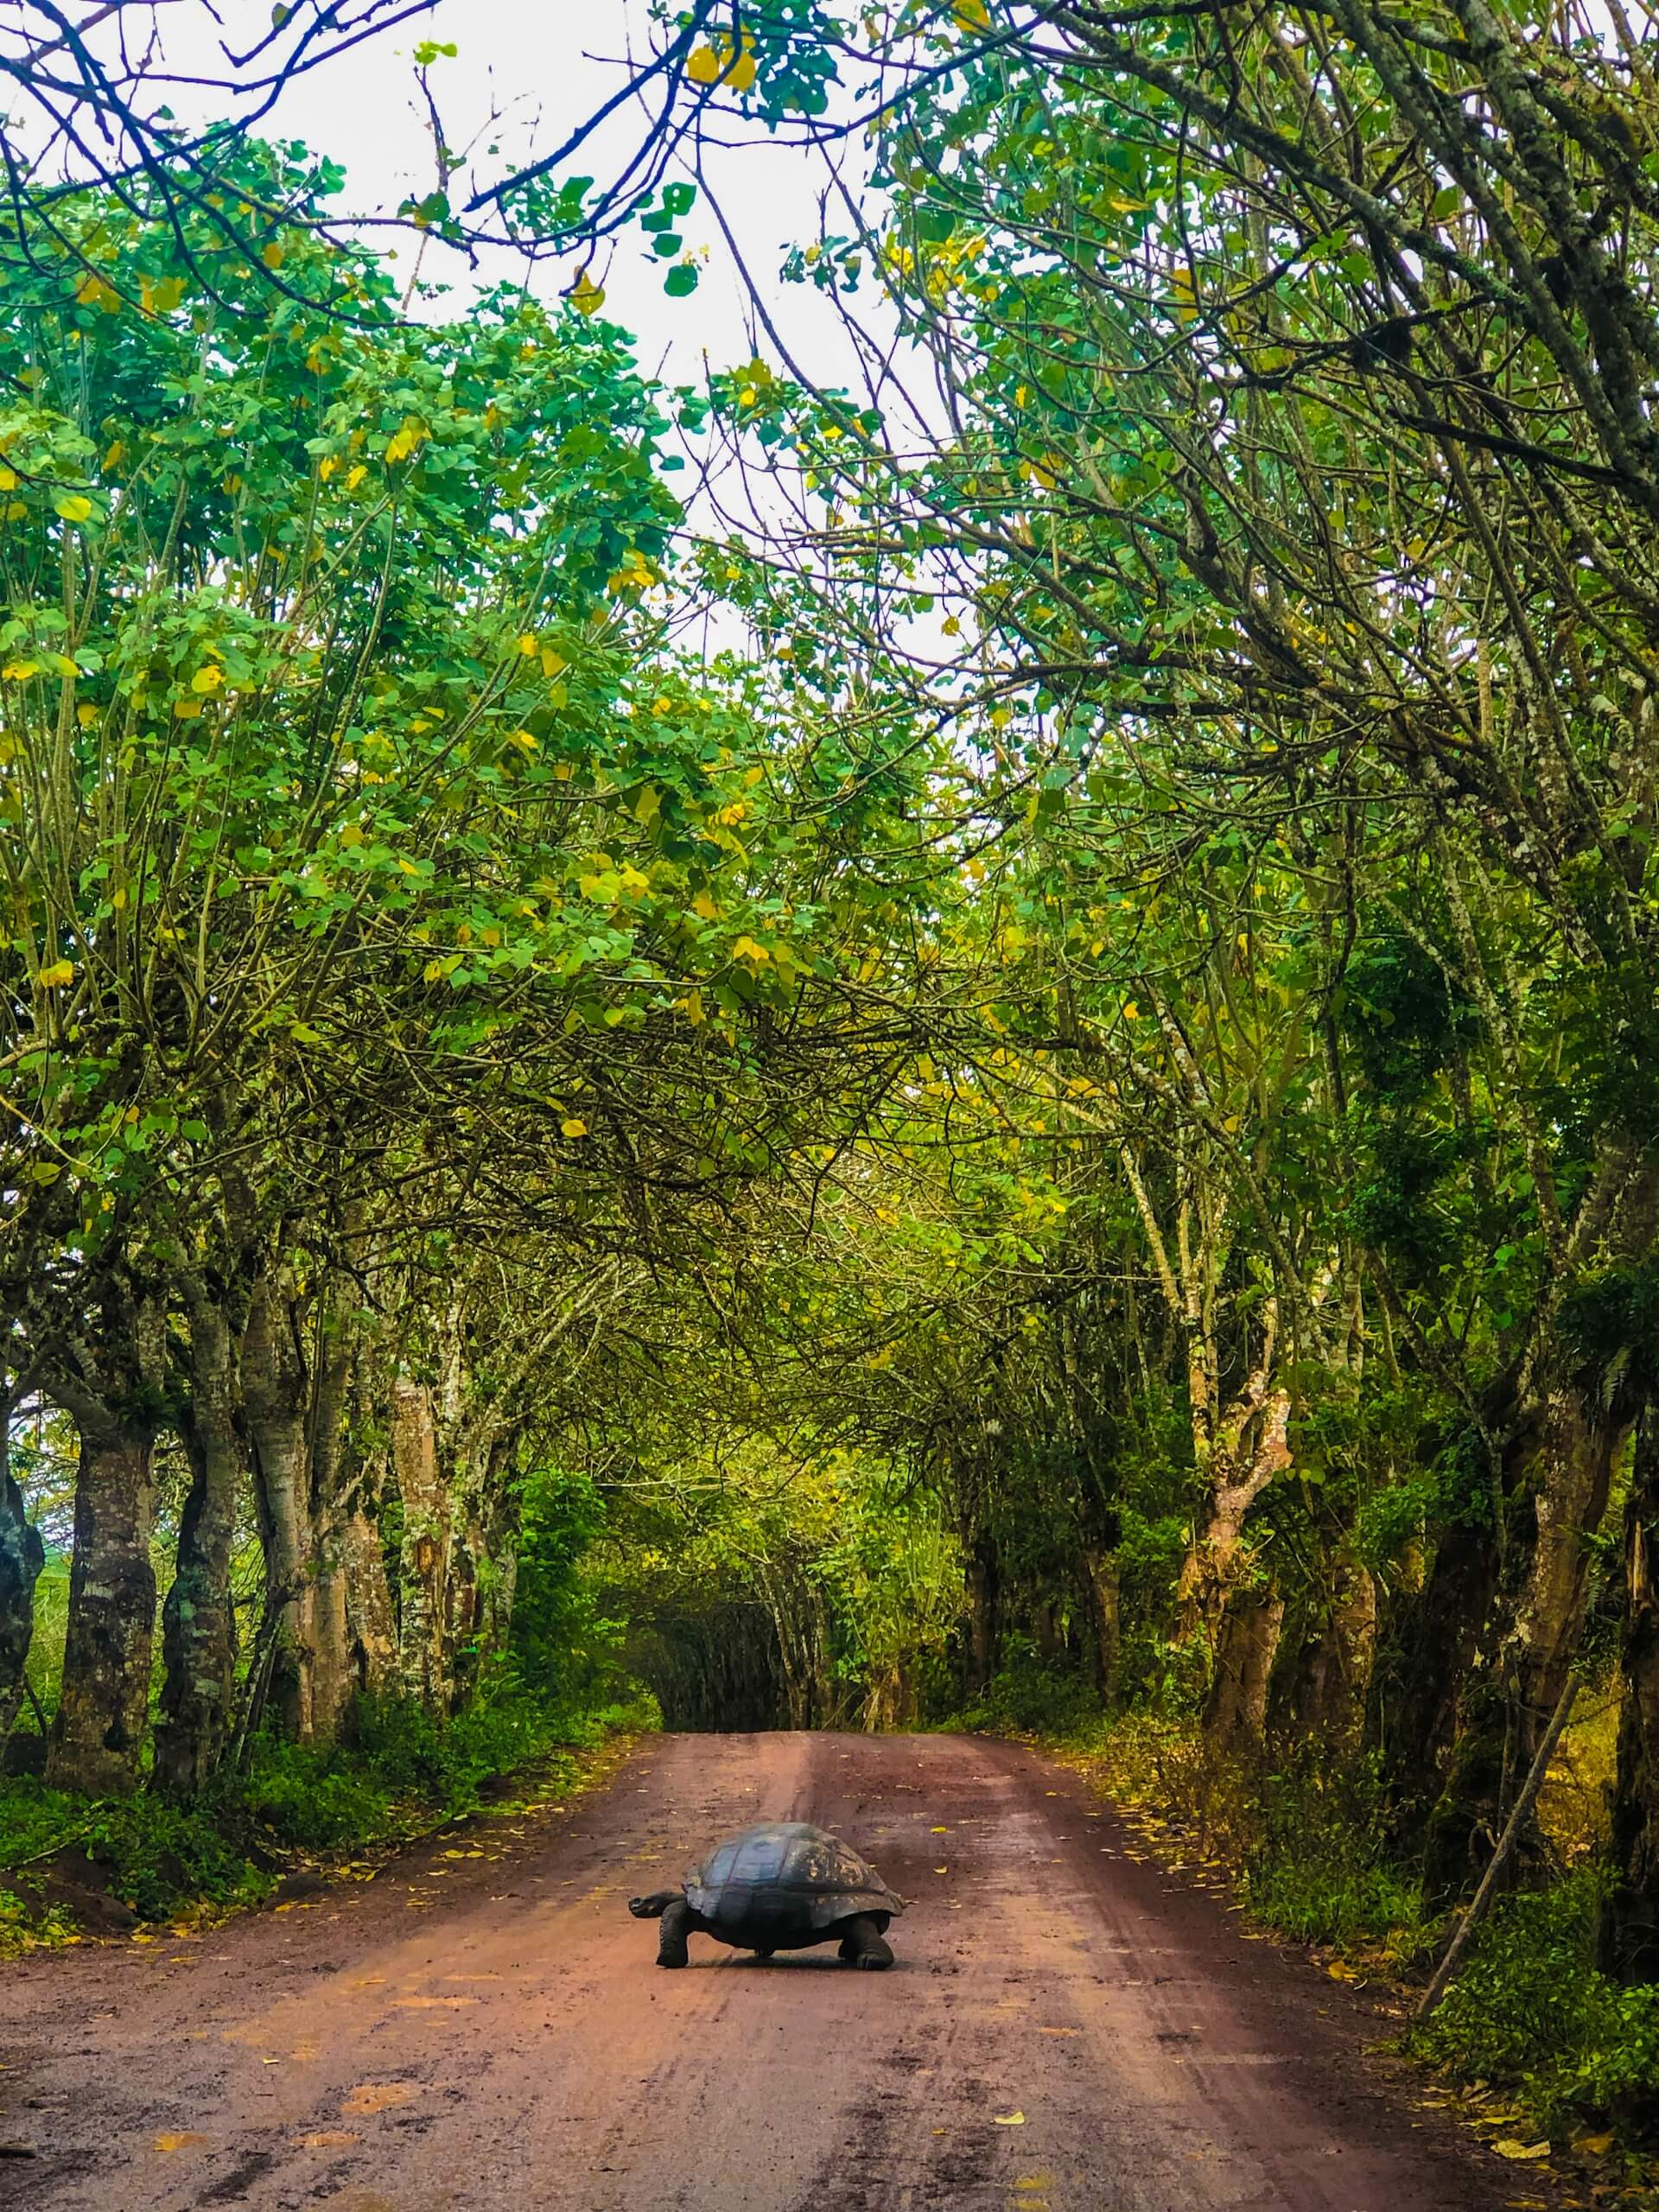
[407,947]
[1133,1016]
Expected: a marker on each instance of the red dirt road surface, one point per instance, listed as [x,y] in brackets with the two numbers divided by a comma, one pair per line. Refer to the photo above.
[472,2031]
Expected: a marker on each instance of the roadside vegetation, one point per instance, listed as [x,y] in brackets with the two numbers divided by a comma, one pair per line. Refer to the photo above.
[1019,1093]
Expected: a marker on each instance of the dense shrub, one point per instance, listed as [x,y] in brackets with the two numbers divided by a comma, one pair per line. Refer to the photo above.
[1531,2012]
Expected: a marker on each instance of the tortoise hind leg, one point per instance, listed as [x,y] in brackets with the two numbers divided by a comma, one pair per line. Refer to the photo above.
[678,1921]
[863,1944]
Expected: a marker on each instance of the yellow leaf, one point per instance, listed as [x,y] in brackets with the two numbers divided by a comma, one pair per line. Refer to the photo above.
[19,672]
[119,898]
[182,2141]
[1593,2147]
[1131,1012]
[379,2096]
[351,834]
[354,476]
[703,67]
[944,1831]
[585,296]
[573,1128]
[163,298]
[740,76]
[187,710]
[207,679]
[941,1870]
[1008,2120]
[529,645]
[553,664]
[272,256]
[113,458]
[8,479]
[704,907]
[1508,2147]
[73,506]
[972,16]
[60,972]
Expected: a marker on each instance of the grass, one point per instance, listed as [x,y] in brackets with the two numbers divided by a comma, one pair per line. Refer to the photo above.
[402,1775]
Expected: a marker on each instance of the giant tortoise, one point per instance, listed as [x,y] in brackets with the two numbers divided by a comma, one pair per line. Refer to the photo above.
[782,1886]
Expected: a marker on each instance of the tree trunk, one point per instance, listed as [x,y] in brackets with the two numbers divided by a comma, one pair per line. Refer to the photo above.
[1580,1435]
[97,1737]
[1238,1472]
[1321,1694]
[274,1384]
[981,1567]
[424,1563]
[1236,1713]
[1631,1927]
[197,1620]
[1100,1569]
[1422,1667]
[22,1554]
[371,1620]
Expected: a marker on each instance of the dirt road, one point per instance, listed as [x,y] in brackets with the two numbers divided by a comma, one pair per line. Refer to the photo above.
[490,2030]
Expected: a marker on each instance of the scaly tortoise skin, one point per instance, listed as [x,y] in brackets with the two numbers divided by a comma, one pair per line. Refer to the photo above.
[782,1886]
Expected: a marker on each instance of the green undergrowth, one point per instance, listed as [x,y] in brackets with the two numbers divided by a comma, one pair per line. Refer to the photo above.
[1531,2013]
[399,1775]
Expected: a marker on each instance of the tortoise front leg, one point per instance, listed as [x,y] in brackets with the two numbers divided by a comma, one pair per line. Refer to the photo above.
[863,1944]
[678,1921]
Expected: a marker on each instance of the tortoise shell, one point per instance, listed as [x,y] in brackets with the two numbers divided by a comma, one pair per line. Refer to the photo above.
[785,1880]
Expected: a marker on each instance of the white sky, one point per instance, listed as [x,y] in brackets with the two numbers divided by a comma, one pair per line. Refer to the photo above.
[543,65]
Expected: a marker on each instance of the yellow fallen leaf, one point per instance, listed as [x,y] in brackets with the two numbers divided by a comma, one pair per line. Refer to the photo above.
[1508,2147]
[938,1831]
[183,2141]
[327,2139]
[1008,2120]
[1594,2146]
[941,1870]
[378,2096]
[573,1128]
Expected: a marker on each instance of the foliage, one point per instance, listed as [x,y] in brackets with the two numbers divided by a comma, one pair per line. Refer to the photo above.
[1532,2012]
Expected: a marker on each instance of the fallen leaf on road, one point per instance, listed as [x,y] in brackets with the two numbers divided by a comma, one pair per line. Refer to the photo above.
[379,2096]
[1508,2147]
[1008,2119]
[328,2139]
[1594,2146]
[941,1870]
[184,2141]
[431,2004]
[1058,2031]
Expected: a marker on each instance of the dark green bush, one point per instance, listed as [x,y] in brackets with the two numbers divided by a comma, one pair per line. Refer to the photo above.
[1530,2012]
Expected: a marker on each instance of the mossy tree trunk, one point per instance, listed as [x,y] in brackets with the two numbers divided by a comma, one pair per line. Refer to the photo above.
[198,1630]
[22,1554]
[1630,1931]
[98,1736]
[112,1386]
